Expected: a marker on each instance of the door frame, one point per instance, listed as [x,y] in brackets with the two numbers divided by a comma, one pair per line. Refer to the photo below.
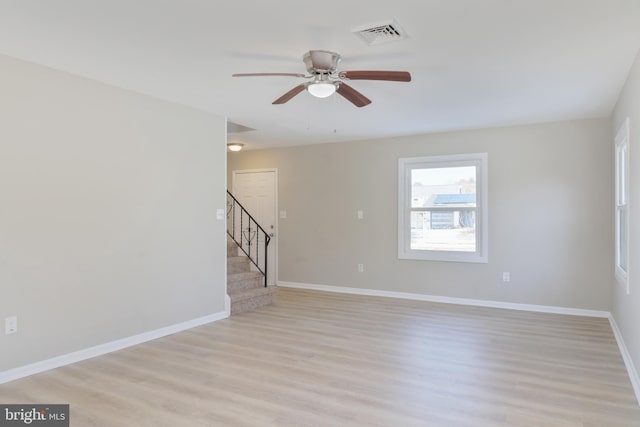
[276,216]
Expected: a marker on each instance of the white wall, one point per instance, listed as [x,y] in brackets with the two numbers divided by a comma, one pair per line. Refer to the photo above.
[549,214]
[107,213]
[626,308]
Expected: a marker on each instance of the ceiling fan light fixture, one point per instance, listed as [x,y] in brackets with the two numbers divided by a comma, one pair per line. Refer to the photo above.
[321,89]
[235,146]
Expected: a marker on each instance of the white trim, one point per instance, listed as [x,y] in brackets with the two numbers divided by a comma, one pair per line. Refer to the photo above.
[628,362]
[101,349]
[450,300]
[227,303]
[405,165]
[622,183]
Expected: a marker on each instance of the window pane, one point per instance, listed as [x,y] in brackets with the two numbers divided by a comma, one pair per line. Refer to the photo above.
[449,222]
[621,175]
[444,230]
[622,239]
[437,186]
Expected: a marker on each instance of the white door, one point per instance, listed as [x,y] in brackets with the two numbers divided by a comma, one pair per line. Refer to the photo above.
[256,191]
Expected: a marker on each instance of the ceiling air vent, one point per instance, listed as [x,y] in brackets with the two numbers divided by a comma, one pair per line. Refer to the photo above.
[383,33]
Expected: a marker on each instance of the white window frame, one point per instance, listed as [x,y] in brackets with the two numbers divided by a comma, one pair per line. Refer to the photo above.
[405,166]
[622,199]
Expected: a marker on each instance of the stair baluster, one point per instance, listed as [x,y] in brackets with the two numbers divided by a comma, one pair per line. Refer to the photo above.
[244,236]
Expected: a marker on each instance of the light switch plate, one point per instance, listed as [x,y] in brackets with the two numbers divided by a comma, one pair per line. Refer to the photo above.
[10,325]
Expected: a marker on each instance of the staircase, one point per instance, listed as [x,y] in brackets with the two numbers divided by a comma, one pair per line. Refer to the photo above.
[245,287]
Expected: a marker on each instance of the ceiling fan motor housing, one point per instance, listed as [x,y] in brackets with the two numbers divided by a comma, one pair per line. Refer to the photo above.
[321,61]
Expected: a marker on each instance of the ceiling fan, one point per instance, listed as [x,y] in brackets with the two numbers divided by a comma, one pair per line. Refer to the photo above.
[322,67]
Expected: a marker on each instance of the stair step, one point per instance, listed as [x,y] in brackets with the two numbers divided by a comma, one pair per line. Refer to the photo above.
[237,264]
[244,275]
[238,282]
[252,298]
[232,249]
[245,287]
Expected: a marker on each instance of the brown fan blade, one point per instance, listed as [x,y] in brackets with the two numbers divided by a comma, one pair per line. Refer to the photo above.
[352,95]
[394,76]
[267,74]
[287,96]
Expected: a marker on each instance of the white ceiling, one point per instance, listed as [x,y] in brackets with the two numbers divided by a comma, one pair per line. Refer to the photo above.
[475,63]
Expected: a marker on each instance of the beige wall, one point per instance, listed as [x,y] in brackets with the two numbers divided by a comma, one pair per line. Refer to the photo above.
[107,213]
[550,214]
[626,308]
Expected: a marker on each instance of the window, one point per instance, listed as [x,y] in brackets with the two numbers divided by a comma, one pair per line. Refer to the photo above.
[442,208]
[622,208]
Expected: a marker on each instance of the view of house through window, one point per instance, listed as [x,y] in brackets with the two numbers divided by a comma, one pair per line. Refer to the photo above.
[443,209]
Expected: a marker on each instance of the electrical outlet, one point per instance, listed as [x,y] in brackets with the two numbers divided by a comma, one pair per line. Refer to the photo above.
[360,268]
[219,213]
[506,276]
[10,325]
[360,214]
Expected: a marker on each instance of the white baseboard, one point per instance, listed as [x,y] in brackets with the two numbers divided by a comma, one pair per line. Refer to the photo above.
[449,300]
[99,350]
[628,362]
[227,305]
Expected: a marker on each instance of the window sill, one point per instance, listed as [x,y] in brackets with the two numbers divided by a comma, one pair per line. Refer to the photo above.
[444,256]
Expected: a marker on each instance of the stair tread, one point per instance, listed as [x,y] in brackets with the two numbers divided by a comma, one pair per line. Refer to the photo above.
[243,275]
[250,293]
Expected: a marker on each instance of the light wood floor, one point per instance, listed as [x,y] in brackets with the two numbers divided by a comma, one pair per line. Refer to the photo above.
[322,359]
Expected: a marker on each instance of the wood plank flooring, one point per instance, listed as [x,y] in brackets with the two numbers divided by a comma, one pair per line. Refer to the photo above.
[323,359]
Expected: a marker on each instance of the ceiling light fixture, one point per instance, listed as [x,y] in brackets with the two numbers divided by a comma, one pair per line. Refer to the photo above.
[235,146]
[321,89]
